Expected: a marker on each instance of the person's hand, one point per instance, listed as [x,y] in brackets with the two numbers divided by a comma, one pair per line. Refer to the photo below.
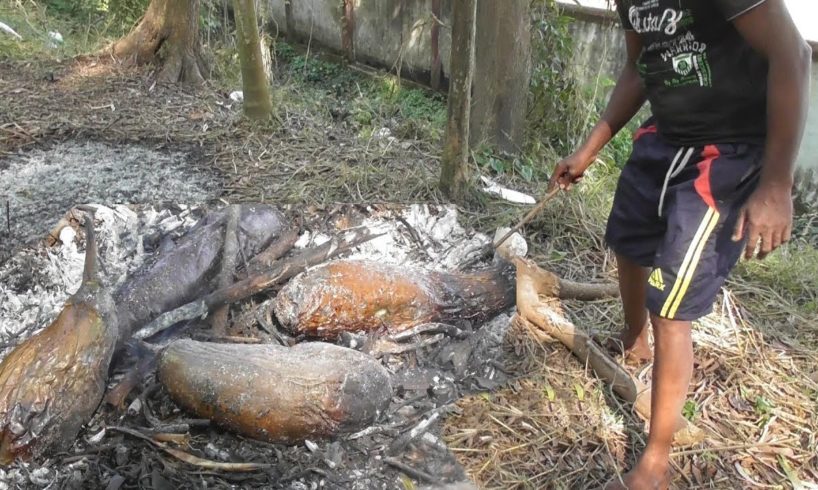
[570,170]
[767,217]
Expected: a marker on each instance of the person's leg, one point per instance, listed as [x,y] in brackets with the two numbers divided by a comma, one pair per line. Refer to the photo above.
[633,288]
[692,263]
[672,369]
[635,232]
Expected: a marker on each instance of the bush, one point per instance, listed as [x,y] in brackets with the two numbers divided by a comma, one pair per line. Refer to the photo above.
[556,106]
[124,11]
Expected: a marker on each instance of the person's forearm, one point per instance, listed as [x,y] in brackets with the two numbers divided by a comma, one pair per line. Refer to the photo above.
[787,101]
[626,100]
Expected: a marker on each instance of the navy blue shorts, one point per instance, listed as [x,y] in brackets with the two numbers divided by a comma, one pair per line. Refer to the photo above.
[674,211]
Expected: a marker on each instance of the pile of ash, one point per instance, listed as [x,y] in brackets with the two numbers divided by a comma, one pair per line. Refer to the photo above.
[40,184]
[432,366]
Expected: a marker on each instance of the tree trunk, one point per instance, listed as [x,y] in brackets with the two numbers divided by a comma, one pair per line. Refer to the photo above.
[174,25]
[357,295]
[436,68]
[348,30]
[501,78]
[455,160]
[257,103]
[274,393]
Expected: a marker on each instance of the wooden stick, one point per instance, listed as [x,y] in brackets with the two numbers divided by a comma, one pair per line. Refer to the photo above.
[534,288]
[528,217]
[191,459]
[230,253]
[412,472]
[264,260]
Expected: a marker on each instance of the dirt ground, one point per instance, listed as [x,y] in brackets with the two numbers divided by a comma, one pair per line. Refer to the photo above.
[553,425]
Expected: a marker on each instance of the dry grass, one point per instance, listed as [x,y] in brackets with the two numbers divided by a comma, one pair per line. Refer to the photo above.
[557,426]
[755,386]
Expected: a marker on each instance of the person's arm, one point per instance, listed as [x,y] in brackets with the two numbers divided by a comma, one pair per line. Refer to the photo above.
[626,99]
[767,217]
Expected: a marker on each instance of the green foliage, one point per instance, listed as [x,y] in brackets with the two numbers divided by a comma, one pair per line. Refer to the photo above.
[123,11]
[314,70]
[127,12]
[85,25]
[422,112]
[285,52]
[522,166]
[690,410]
[76,7]
[763,408]
[556,109]
[369,103]
[618,150]
[791,271]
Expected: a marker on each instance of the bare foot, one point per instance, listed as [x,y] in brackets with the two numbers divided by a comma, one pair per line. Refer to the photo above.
[641,479]
[635,350]
[636,481]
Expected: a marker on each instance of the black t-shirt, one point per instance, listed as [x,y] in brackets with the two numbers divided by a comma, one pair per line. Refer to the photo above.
[704,82]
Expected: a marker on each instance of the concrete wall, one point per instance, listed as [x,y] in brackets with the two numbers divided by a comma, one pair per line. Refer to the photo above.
[391,34]
[599,50]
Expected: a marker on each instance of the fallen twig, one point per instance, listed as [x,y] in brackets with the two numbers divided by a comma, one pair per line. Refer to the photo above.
[227,339]
[266,258]
[189,458]
[412,472]
[416,431]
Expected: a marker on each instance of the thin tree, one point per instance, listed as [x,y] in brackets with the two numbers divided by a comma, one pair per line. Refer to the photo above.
[257,103]
[454,173]
[173,27]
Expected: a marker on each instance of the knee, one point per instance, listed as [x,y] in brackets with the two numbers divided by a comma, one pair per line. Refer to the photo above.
[676,329]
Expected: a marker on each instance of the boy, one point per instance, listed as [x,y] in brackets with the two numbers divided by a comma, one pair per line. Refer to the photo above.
[710,175]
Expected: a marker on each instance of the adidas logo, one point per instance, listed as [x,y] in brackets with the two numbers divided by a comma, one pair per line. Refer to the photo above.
[656,280]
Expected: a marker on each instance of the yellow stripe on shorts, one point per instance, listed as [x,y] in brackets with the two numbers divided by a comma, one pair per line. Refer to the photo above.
[691,260]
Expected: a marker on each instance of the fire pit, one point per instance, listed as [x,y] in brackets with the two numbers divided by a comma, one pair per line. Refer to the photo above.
[152,440]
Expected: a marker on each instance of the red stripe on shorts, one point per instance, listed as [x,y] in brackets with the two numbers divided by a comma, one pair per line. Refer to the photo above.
[702,184]
[643,131]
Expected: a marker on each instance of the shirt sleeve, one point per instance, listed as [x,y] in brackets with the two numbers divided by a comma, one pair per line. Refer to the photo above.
[622,10]
[734,8]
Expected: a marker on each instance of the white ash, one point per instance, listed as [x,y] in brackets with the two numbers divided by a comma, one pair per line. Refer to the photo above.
[36,282]
[444,243]
[39,185]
